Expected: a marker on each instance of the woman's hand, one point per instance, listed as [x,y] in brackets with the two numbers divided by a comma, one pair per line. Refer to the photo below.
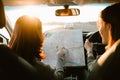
[61,56]
[88,46]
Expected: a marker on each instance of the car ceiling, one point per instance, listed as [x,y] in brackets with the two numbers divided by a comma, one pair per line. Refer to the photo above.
[53,2]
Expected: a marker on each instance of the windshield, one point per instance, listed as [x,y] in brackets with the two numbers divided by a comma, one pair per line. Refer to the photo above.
[61,31]
[88,13]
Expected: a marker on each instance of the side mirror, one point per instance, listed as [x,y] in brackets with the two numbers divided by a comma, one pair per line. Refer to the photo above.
[67,12]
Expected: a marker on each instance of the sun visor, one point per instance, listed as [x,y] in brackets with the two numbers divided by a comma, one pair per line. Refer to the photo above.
[82,2]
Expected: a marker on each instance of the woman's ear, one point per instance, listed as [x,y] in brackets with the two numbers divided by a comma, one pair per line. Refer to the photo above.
[108,25]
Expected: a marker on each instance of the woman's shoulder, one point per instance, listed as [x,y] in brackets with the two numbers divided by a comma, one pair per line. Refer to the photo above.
[44,69]
[42,66]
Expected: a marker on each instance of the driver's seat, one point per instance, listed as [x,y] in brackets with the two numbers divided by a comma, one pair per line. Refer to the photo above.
[108,65]
[13,67]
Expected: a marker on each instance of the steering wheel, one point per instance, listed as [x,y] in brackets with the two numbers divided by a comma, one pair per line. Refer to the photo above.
[98,46]
[95,37]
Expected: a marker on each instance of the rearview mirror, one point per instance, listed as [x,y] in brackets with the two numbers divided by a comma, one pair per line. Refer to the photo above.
[67,12]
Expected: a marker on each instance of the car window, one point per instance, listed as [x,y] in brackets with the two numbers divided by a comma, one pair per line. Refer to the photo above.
[5,37]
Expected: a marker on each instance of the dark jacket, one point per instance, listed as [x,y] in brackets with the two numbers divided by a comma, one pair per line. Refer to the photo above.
[48,73]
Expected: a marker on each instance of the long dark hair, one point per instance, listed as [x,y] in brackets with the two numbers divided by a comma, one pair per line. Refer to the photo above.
[27,37]
[111,14]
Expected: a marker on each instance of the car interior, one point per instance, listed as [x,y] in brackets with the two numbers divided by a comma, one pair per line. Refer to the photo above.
[14,67]
[66,23]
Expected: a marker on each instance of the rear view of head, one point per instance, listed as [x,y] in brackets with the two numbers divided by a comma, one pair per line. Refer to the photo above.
[27,38]
[2,15]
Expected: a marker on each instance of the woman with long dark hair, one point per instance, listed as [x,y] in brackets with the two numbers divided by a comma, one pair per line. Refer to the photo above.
[27,40]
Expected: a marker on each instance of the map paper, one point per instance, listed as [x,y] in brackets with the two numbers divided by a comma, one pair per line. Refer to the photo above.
[69,39]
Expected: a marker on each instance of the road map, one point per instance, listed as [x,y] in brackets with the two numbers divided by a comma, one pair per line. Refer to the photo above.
[72,40]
